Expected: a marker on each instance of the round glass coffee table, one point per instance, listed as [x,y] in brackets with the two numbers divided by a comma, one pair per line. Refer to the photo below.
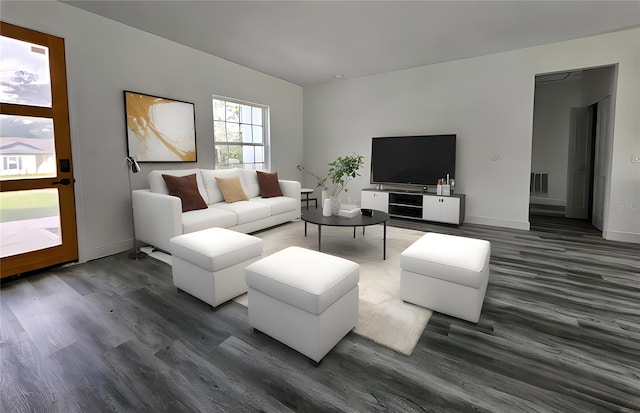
[314,216]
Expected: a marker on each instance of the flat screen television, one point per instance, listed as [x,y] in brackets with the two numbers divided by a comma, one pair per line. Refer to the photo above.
[413,160]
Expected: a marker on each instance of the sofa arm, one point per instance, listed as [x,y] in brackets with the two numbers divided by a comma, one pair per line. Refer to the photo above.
[291,189]
[157,217]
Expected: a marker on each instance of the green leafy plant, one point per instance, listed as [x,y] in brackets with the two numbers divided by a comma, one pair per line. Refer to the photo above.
[320,182]
[343,170]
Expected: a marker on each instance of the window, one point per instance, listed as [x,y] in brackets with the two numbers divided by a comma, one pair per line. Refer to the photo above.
[241,134]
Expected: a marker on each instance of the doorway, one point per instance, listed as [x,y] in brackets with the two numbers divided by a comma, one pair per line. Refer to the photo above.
[571,143]
[37,200]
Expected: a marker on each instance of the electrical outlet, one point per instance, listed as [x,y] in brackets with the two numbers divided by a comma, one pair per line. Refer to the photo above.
[635,158]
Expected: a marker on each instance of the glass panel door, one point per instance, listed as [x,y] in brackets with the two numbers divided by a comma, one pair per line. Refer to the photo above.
[37,207]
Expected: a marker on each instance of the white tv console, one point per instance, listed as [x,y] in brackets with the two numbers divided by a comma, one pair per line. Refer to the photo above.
[415,205]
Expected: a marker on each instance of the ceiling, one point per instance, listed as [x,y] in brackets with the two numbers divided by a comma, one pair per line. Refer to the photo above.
[310,42]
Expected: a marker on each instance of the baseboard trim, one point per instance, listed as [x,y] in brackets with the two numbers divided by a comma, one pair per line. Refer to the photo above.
[621,236]
[497,222]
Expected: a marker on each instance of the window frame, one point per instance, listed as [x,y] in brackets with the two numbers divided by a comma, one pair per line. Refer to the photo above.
[266,163]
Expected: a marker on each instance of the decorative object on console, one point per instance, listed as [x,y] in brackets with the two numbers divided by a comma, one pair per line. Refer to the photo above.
[159,129]
[269,186]
[134,167]
[341,172]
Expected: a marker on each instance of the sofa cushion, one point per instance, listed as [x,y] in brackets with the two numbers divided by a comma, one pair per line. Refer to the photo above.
[206,218]
[246,211]
[185,188]
[158,185]
[211,186]
[278,205]
[251,184]
[231,189]
[269,186]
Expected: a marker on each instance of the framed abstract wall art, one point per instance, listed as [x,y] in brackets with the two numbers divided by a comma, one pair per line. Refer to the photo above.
[159,129]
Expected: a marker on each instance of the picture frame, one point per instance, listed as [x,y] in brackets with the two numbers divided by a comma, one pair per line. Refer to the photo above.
[159,129]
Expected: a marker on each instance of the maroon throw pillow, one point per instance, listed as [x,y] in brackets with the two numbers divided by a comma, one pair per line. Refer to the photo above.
[269,185]
[185,188]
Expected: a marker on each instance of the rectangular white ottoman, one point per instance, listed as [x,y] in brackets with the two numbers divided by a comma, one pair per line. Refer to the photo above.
[209,264]
[447,274]
[305,299]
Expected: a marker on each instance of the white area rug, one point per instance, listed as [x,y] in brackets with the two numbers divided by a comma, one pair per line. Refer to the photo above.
[383,317]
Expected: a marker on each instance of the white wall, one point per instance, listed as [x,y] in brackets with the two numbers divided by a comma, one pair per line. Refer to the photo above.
[488,102]
[552,105]
[103,59]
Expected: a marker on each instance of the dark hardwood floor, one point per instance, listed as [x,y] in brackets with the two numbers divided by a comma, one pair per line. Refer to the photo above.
[559,332]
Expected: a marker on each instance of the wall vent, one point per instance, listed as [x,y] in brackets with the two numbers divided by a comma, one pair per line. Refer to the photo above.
[539,183]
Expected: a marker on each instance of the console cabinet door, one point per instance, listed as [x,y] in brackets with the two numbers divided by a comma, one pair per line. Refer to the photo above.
[450,210]
[375,200]
[441,209]
[431,208]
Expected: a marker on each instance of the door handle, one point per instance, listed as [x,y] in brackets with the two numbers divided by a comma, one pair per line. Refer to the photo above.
[63,181]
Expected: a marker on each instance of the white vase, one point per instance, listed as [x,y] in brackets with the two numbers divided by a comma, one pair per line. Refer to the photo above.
[325,196]
[326,207]
[335,205]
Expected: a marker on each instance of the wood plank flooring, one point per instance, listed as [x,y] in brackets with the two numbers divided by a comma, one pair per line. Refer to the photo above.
[559,332]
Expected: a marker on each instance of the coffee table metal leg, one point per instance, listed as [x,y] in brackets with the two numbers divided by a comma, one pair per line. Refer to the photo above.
[354,232]
[384,241]
[305,228]
[319,236]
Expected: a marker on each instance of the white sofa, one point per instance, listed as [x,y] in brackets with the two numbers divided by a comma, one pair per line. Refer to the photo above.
[158,216]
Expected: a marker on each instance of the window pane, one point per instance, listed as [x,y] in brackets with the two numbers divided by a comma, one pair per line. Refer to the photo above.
[233,112]
[29,221]
[27,147]
[235,155]
[257,116]
[257,134]
[245,114]
[219,131]
[248,154]
[233,132]
[259,154]
[24,73]
[246,133]
[218,109]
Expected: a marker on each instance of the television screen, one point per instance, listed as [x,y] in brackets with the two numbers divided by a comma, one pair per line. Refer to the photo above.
[413,160]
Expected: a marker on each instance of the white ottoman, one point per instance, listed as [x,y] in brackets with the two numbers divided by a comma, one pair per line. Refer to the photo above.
[209,264]
[447,274]
[305,299]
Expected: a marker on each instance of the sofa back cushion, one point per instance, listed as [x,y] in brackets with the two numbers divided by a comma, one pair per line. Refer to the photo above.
[251,184]
[211,186]
[185,188]
[158,185]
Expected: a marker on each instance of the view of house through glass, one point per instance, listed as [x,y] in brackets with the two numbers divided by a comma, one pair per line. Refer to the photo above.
[240,134]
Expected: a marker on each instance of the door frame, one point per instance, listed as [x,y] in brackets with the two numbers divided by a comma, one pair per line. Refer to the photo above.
[64,179]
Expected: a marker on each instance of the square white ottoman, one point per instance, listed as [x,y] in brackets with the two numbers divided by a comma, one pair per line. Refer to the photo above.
[447,274]
[305,299]
[209,264]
